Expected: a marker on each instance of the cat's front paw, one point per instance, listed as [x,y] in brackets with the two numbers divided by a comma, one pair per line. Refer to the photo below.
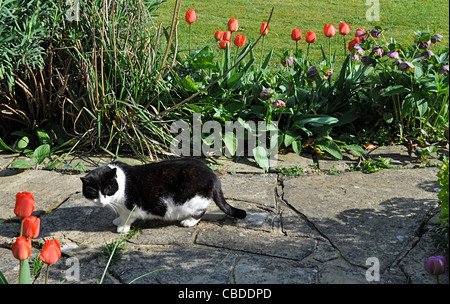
[123,229]
[189,222]
[117,221]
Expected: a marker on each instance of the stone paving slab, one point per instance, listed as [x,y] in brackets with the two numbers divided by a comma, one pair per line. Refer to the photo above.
[311,229]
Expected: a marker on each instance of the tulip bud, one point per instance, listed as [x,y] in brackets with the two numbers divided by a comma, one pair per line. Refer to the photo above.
[223,44]
[24,204]
[435,265]
[264,30]
[233,25]
[296,34]
[226,36]
[310,37]
[344,28]
[31,227]
[329,30]
[51,252]
[191,16]
[21,248]
[239,40]
[218,35]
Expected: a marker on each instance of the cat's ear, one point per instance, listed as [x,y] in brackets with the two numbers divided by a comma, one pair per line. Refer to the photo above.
[85,179]
[112,173]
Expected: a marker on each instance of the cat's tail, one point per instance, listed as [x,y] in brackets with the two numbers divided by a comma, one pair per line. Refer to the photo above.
[220,201]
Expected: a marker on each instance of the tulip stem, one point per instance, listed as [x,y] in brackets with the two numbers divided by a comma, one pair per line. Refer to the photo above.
[262,52]
[190,24]
[163,113]
[345,49]
[46,273]
[307,51]
[329,48]
[21,227]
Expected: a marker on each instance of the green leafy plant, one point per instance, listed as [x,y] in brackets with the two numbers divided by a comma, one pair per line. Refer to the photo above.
[295,170]
[443,181]
[371,166]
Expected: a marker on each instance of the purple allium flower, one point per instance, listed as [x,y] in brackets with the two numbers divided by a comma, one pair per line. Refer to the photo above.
[435,265]
[278,103]
[393,55]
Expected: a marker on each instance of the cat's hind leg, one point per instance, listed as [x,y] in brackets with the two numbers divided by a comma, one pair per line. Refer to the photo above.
[194,219]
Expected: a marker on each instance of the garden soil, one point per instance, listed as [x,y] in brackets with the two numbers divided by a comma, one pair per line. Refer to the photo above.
[332,224]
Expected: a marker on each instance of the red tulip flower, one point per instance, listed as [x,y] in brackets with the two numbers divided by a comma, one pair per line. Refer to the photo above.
[24,204]
[21,249]
[352,43]
[191,16]
[218,35]
[239,40]
[226,36]
[296,34]
[264,30]
[310,37]
[223,44]
[233,25]
[31,227]
[329,30]
[51,252]
[344,28]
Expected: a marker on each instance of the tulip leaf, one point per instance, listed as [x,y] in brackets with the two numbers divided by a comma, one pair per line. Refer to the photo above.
[2,279]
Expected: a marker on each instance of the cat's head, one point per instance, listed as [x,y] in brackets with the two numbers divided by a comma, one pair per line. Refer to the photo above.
[100,185]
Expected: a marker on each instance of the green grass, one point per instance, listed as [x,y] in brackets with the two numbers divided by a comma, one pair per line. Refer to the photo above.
[399,18]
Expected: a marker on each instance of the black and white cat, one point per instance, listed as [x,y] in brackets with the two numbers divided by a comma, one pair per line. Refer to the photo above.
[173,190]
